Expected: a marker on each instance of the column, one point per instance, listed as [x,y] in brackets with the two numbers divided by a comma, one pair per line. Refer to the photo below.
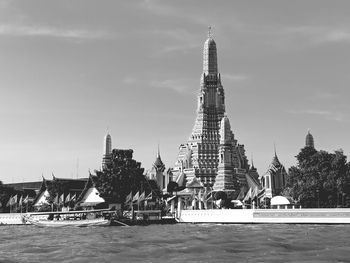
[172,207]
[179,206]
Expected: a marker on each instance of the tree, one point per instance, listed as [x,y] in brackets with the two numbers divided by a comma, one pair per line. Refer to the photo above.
[120,177]
[172,187]
[320,179]
[56,187]
[220,195]
[6,193]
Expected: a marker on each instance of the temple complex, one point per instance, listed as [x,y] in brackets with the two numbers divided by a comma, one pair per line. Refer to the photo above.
[212,155]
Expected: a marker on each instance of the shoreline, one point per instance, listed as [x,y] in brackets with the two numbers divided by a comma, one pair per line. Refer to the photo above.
[232,216]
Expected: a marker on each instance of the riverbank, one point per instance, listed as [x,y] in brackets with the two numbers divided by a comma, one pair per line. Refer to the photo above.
[230,216]
[267,216]
[16,219]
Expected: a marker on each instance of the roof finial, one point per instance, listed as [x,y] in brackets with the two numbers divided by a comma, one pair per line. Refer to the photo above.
[209,32]
[158,153]
[274,146]
[252,161]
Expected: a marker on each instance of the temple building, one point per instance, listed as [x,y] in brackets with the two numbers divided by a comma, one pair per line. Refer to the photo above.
[89,196]
[309,140]
[107,150]
[70,188]
[274,180]
[157,174]
[253,172]
[212,154]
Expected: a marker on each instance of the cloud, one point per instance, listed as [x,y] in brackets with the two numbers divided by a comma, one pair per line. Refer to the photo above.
[179,40]
[329,115]
[321,34]
[48,31]
[324,96]
[179,86]
[287,37]
[190,13]
[338,36]
[129,80]
[234,78]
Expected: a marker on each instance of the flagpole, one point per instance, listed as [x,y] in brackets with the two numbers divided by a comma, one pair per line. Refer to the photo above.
[10,204]
[132,206]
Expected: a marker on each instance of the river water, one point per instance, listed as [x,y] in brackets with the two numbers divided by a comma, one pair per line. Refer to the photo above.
[177,243]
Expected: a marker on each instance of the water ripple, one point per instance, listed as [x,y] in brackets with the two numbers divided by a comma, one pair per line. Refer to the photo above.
[176,243]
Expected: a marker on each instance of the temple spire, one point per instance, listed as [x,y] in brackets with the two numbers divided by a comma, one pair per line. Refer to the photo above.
[210,55]
[107,150]
[209,32]
[309,140]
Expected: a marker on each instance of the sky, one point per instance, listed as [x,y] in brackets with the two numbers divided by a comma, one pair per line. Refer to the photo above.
[70,70]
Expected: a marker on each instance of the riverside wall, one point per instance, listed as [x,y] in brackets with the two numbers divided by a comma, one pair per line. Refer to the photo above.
[11,219]
[15,218]
[266,216]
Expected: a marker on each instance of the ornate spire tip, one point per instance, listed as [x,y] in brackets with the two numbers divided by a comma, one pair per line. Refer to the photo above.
[209,32]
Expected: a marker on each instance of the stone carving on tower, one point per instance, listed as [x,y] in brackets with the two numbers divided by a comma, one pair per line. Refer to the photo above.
[107,151]
[205,156]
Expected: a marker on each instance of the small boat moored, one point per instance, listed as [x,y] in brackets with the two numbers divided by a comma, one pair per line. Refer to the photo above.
[71,218]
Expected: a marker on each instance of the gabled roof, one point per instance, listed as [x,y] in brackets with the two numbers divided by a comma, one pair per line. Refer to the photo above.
[26,185]
[195,183]
[74,185]
[185,192]
[89,183]
[252,182]
[181,179]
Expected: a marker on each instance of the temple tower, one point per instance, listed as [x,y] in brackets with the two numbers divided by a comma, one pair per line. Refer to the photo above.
[309,140]
[107,150]
[199,157]
[224,179]
[157,172]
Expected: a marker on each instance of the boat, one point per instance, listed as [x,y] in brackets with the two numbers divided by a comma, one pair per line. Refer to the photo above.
[65,223]
[69,218]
